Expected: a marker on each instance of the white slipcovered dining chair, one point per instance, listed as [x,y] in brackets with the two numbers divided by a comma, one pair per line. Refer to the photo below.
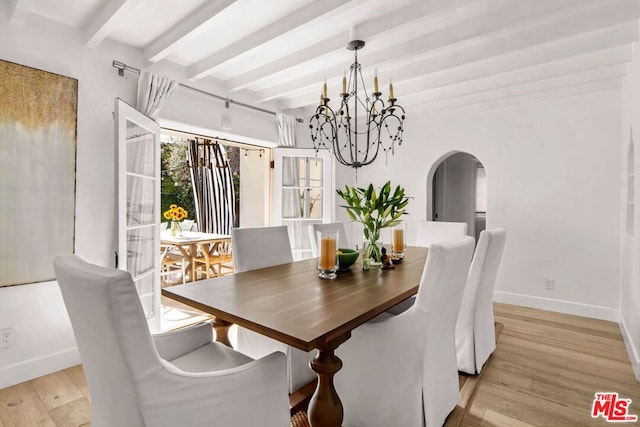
[260,247]
[430,232]
[475,329]
[400,370]
[179,378]
[343,240]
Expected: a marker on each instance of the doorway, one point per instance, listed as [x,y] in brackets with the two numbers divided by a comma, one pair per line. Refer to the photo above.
[459,192]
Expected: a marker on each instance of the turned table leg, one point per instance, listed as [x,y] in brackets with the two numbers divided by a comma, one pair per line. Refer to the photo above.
[222,331]
[325,407]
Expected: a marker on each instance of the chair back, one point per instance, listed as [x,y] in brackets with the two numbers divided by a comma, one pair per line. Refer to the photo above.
[475,329]
[112,336]
[343,241]
[260,247]
[430,232]
[437,303]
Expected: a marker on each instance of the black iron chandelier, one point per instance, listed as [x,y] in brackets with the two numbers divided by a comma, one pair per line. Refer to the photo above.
[338,130]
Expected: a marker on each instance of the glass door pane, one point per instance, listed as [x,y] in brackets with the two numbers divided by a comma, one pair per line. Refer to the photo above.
[304,194]
[139,204]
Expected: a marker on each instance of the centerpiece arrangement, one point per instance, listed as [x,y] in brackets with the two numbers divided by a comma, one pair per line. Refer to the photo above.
[375,211]
[175,214]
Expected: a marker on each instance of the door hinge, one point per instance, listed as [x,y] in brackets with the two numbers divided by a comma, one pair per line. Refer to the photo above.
[272,164]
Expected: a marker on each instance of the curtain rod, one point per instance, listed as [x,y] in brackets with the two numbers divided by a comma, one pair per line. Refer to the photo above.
[122,67]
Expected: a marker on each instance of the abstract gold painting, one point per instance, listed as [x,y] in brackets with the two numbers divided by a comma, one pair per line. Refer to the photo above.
[38,112]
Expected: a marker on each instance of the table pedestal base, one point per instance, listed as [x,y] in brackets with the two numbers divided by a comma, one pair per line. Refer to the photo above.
[222,331]
[325,407]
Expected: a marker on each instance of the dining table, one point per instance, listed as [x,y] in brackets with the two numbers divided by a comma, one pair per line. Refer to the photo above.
[291,304]
[190,244]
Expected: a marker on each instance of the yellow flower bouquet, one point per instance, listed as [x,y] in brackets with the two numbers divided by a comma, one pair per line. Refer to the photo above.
[175,214]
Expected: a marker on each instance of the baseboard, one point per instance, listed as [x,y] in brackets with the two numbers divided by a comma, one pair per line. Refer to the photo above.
[568,307]
[37,367]
[634,356]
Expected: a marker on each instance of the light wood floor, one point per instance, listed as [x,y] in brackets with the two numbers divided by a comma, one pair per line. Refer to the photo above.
[545,371]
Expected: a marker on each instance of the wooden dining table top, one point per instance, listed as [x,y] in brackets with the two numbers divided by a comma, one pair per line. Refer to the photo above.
[291,304]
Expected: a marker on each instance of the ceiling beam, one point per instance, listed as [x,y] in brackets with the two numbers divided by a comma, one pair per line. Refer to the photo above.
[106,19]
[606,46]
[500,22]
[282,26]
[369,30]
[498,43]
[18,10]
[190,27]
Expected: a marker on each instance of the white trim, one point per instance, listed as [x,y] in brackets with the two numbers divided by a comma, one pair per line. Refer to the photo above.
[561,306]
[38,366]
[634,356]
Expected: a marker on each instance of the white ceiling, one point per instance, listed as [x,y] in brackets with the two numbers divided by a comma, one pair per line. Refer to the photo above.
[445,54]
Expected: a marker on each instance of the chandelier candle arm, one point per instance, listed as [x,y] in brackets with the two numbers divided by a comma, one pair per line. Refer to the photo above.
[338,130]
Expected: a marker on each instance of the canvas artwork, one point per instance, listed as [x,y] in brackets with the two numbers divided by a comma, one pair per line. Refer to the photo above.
[38,112]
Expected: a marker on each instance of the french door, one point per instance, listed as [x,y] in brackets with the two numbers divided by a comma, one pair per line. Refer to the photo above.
[304,194]
[138,187]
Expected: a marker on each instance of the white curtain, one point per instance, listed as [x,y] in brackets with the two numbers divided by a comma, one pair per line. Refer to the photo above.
[292,199]
[286,130]
[153,92]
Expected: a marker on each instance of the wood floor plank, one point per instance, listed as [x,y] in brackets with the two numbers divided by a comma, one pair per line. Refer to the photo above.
[72,414]
[492,418]
[20,406]
[56,390]
[77,375]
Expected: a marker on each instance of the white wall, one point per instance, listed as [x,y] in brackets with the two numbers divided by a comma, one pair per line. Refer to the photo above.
[254,189]
[43,337]
[630,244]
[553,171]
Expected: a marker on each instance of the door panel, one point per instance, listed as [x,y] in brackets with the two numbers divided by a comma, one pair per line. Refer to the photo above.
[138,174]
[304,193]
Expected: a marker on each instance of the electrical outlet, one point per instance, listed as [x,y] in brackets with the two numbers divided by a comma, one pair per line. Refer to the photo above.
[7,336]
[549,284]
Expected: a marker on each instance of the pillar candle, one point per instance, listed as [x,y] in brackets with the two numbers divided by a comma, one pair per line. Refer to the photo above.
[327,253]
[398,240]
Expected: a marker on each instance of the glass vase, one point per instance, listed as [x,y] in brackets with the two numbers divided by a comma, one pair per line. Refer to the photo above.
[176,229]
[371,253]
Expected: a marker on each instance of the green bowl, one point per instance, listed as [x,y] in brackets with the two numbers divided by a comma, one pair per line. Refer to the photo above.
[346,258]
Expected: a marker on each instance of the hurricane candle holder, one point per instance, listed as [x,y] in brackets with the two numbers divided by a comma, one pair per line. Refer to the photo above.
[328,254]
[399,245]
